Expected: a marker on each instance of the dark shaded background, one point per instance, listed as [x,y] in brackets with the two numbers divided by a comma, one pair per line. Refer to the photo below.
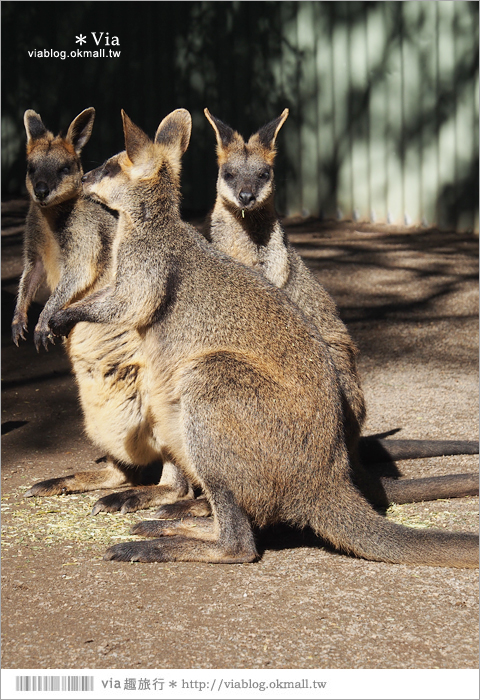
[246,62]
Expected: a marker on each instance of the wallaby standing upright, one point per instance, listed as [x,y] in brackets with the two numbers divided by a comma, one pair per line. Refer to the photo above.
[68,240]
[239,387]
[67,237]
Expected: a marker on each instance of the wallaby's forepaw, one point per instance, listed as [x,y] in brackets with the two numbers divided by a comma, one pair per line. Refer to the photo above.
[61,323]
[43,336]
[198,507]
[19,328]
[50,487]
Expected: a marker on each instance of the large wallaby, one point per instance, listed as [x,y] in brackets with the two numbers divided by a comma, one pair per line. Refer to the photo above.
[68,240]
[239,388]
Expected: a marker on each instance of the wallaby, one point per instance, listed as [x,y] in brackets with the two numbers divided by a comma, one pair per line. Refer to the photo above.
[67,237]
[240,389]
[68,240]
[244,224]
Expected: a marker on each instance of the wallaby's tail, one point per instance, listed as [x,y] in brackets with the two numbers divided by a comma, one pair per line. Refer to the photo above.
[351,525]
[373,449]
[430,488]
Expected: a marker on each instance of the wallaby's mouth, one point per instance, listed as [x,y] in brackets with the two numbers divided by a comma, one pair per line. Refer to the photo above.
[245,207]
[44,200]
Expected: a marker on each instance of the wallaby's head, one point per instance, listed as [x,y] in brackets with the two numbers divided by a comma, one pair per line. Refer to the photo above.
[245,170]
[54,170]
[145,168]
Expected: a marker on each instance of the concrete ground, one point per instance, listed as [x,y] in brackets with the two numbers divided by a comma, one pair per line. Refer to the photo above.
[410,301]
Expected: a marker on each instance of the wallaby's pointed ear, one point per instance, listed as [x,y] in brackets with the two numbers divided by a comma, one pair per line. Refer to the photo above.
[136,140]
[224,133]
[268,133]
[34,126]
[175,130]
[80,129]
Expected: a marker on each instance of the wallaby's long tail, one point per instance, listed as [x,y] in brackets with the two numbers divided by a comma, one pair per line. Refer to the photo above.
[351,525]
[375,450]
[430,488]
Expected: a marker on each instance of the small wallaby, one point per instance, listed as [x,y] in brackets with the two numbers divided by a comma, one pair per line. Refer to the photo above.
[240,389]
[68,240]
[67,237]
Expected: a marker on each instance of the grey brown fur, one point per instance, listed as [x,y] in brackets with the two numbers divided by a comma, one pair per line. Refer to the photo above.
[244,224]
[239,387]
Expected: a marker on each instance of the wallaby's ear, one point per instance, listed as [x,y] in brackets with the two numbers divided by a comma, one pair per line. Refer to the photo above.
[34,126]
[136,140]
[80,129]
[268,133]
[175,130]
[224,133]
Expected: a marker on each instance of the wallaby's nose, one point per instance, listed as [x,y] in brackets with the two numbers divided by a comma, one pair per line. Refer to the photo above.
[41,190]
[246,198]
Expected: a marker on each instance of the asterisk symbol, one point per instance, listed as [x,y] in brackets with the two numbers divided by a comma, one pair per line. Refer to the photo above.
[173,684]
[81,39]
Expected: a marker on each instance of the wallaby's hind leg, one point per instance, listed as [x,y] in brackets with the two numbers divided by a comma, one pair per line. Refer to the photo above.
[197,528]
[173,487]
[195,507]
[229,540]
[110,477]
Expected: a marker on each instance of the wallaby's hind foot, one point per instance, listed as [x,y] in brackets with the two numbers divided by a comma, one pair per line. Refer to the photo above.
[180,549]
[198,507]
[198,528]
[140,498]
[173,487]
[109,477]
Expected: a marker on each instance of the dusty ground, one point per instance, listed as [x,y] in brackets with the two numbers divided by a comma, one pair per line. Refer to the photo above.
[411,304]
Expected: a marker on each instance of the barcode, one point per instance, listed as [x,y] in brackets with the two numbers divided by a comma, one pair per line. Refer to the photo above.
[52,683]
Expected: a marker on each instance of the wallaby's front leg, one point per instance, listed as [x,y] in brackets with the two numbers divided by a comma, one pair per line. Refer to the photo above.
[32,277]
[71,283]
[96,308]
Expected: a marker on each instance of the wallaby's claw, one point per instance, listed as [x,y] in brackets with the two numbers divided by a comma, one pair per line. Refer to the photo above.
[60,325]
[19,328]
[43,336]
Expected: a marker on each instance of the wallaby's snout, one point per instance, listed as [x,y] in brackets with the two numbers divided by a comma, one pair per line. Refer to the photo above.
[91,177]
[41,190]
[247,198]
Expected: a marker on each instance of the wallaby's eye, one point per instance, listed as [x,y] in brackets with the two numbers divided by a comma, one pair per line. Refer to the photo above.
[265,175]
[65,170]
[30,169]
[228,175]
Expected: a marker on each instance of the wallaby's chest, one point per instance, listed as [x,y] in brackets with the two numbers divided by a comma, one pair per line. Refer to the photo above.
[48,247]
